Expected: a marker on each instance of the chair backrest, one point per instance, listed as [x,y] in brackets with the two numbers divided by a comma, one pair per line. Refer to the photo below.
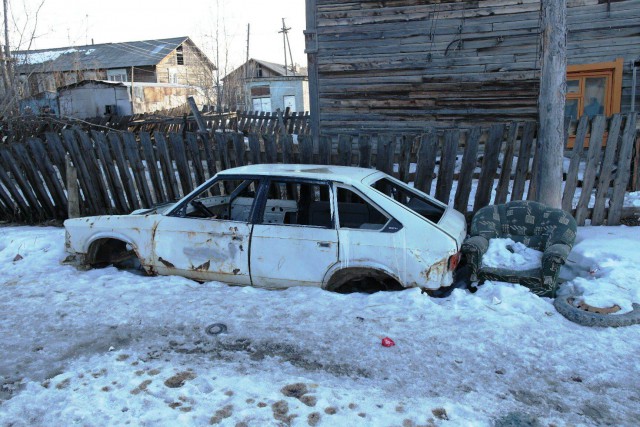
[531,223]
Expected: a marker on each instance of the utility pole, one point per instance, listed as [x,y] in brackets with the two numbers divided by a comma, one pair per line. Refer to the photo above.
[6,57]
[551,102]
[248,34]
[284,31]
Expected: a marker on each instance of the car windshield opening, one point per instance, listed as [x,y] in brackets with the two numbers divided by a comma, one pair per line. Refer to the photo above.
[411,199]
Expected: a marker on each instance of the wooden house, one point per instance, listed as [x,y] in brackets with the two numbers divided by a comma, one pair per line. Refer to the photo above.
[401,65]
[174,61]
[263,86]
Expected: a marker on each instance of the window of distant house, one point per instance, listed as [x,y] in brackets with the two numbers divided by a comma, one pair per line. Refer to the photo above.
[593,89]
[259,71]
[117,75]
[179,55]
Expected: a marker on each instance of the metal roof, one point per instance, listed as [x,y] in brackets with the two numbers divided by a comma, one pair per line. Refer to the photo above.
[345,174]
[97,56]
[279,69]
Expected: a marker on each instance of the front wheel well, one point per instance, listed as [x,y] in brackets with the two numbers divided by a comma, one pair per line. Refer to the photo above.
[362,279]
[110,251]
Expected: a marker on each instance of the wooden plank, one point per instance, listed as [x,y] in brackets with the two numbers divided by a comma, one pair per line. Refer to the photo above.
[324,149]
[49,175]
[34,179]
[196,159]
[126,177]
[8,210]
[364,149]
[507,163]
[238,148]
[286,141]
[222,150]
[32,208]
[270,148]
[404,161]
[606,171]
[385,151]
[95,170]
[152,166]
[467,168]
[624,167]
[106,159]
[426,160]
[305,145]
[86,184]
[522,166]
[489,166]
[166,164]
[571,180]
[209,152]
[139,173]
[56,152]
[254,149]
[176,146]
[447,165]
[344,150]
[19,203]
[591,167]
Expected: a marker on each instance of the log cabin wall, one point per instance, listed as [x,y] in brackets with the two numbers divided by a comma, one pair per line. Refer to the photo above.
[401,65]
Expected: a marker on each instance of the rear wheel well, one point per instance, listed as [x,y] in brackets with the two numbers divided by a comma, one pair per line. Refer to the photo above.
[110,251]
[364,280]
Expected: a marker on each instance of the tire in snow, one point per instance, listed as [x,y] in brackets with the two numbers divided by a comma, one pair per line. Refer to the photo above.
[564,306]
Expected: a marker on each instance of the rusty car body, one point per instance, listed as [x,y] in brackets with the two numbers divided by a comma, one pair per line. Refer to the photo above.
[273,226]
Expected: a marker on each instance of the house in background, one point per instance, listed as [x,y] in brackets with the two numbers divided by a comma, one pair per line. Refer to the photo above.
[93,98]
[400,67]
[264,86]
[159,66]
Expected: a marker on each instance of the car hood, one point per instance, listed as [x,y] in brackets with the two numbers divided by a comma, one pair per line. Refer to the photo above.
[455,225]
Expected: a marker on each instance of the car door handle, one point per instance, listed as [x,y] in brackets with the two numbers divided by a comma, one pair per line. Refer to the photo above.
[324,244]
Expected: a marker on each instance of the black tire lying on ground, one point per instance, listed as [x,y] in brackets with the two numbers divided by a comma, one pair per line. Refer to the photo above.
[585,318]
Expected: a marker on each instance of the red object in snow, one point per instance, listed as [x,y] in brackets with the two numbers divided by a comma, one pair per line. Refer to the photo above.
[387,342]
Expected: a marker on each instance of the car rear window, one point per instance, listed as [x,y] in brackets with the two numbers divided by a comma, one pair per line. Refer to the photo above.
[408,197]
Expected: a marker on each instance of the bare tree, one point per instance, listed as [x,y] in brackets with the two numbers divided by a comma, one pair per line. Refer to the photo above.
[25,32]
[551,102]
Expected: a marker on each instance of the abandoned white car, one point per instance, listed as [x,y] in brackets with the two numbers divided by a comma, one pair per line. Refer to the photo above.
[340,228]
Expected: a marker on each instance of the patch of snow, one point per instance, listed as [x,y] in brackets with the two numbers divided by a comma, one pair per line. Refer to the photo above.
[45,56]
[108,347]
[505,253]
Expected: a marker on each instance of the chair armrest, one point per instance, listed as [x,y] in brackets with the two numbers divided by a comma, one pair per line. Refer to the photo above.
[557,254]
[475,244]
[552,259]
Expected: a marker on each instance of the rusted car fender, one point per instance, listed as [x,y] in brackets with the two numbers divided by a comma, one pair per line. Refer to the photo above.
[358,265]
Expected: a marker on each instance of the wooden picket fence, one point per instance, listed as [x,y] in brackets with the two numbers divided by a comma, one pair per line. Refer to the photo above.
[118,172]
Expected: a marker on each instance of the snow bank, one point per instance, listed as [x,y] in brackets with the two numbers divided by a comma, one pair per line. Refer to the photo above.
[107,347]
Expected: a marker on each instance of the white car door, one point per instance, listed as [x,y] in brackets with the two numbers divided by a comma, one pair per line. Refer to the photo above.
[294,242]
[207,237]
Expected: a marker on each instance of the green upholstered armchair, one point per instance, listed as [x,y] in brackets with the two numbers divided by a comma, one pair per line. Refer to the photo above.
[551,231]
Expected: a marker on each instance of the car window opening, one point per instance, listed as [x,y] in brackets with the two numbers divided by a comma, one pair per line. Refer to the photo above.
[409,198]
[225,199]
[355,212]
[298,203]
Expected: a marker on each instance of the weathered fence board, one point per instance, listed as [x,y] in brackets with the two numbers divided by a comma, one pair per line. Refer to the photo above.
[122,171]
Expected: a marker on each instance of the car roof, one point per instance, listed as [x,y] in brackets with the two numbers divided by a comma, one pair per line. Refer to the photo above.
[346,174]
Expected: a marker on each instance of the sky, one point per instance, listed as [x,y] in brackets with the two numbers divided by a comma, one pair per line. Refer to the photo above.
[78,22]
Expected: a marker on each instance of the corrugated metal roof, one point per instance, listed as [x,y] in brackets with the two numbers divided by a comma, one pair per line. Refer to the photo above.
[99,56]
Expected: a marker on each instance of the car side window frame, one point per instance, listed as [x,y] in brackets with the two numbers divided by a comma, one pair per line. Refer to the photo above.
[178,210]
[263,196]
[391,226]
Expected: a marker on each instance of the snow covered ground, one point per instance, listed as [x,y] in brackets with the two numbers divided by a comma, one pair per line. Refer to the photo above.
[108,347]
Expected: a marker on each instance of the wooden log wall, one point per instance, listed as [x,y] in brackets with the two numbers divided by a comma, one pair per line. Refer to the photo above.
[119,172]
[402,65]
